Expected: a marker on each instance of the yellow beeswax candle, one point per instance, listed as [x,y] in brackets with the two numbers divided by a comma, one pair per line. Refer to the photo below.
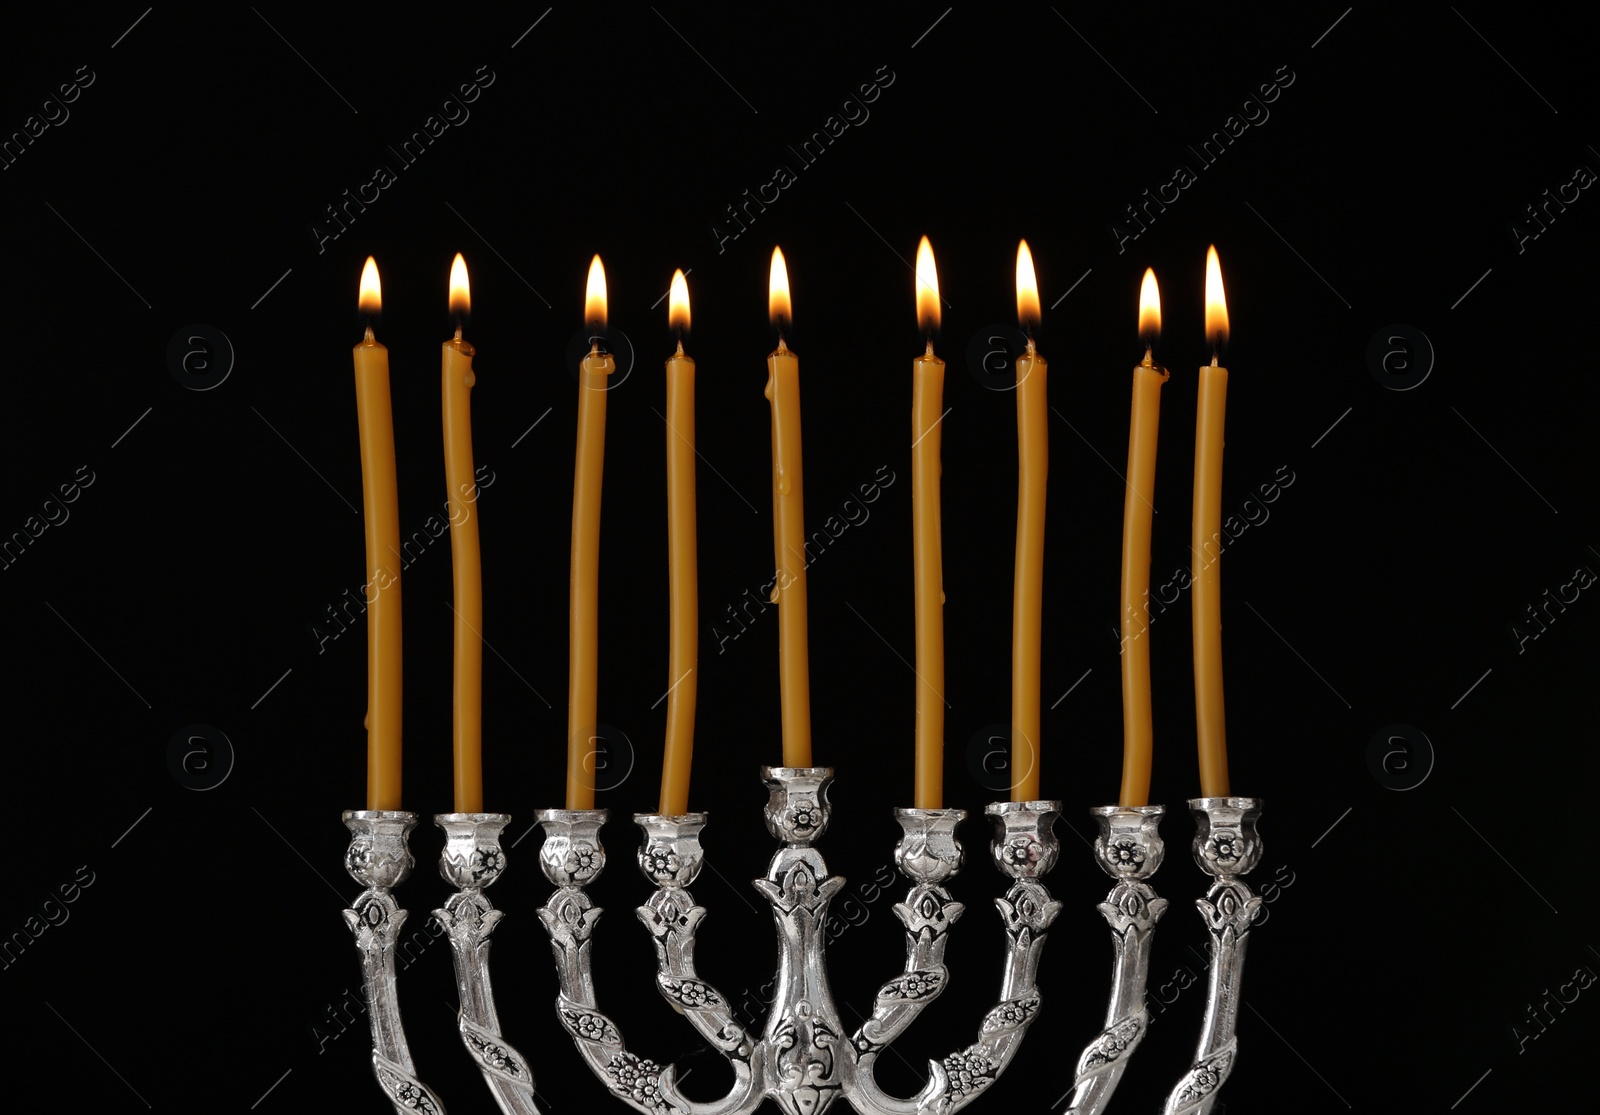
[1137,508]
[681,563]
[583,643]
[1206,544]
[1033,466]
[456,380]
[789,531]
[927,409]
[380,498]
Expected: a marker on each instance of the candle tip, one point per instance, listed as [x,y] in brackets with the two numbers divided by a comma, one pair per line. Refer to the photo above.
[594,298]
[1216,303]
[779,306]
[678,303]
[927,288]
[1028,313]
[460,289]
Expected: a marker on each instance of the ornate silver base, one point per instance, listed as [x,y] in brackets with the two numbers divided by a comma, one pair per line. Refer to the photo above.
[472,860]
[802,1060]
[1129,849]
[380,859]
[1226,846]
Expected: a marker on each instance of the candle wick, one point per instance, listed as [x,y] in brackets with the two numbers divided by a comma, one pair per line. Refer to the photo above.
[1214,355]
[930,344]
[1149,357]
[1031,350]
[458,329]
[781,346]
[369,338]
[680,342]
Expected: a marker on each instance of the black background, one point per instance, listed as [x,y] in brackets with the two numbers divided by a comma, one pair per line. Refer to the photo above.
[1419,911]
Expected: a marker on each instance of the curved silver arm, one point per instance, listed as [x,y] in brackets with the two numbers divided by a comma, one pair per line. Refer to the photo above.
[1129,849]
[379,859]
[572,857]
[927,854]
[1025,848]
[1226,846]
[670,857]
[471,861]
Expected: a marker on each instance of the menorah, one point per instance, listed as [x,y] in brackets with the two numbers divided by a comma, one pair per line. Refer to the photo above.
[805,1058]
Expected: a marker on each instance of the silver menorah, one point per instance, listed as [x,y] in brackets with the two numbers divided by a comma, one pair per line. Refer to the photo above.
[804,1058]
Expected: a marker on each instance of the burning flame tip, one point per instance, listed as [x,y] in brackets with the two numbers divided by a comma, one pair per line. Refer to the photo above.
[1216,301]
[780,308]
[1149,306]
[460,288]
[594,297]
[370,299]
[678,305]
[1027,287]
[927,290]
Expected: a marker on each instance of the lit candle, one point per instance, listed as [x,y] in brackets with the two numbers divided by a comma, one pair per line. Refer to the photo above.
[681,563]
[788,526]
[1206,544]
[1033,466]
[1137,507]
[456,379]
[927,408]
[380,497]
[583,642]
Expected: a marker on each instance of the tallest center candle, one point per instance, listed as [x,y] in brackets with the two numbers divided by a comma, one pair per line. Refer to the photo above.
[380,498]
[789,530]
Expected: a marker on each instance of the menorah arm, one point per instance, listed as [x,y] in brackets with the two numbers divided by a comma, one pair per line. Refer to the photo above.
[572,857]
[472,860]
[1024,848]
[1129,849]
[379,859]
[1226,846]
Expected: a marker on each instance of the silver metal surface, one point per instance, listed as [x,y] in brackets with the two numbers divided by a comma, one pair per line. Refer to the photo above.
[1129,849]
[380,859]
[803,1059]
[1025,848]
[472,860]
[1226,846]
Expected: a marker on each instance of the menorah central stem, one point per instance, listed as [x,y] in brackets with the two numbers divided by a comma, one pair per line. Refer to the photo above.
[811,1062]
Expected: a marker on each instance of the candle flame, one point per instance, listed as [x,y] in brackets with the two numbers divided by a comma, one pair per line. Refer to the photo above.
[779,309]
[1027,288]
[927,289]
[594,296]
[1149,307]
[460,289]
[1216,301]
[678,303]
[370,300]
